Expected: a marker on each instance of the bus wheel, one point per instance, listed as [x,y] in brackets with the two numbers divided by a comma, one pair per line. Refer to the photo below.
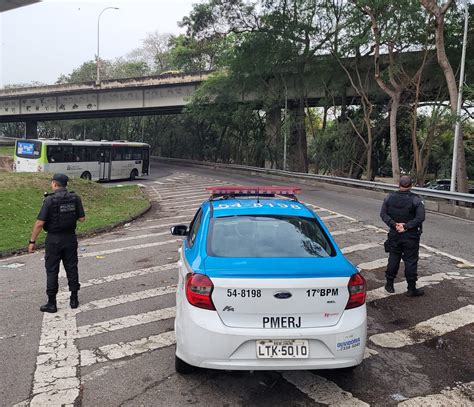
[86,175]
[133,175]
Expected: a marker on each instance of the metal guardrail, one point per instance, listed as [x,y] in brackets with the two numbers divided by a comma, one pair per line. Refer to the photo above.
[349,182]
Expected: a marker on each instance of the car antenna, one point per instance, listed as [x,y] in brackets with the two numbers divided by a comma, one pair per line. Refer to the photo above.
[258,196]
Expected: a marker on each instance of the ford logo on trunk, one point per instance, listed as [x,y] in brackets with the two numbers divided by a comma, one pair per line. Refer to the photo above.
[281,295]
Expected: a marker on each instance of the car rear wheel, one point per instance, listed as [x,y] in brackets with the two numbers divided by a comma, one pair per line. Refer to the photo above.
[182,367]
[86,175]
[133,175]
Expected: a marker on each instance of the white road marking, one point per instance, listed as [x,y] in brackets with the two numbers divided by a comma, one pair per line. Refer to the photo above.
[346,231]
[127,274]
[433,279]
[461,396]
[158,182]
[332,212]
[379,263]
[126,349]
[331,217]
[125,239]
[56,380]
[125,322]
[126,298]
[433,250]
[12,265]
[137,229]
[185,197]
[167,218]
[193,207]
[172,204]
[359,247]
[426,330]
[321,390]
[126,248]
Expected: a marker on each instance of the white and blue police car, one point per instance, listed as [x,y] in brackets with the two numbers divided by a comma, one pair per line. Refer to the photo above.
[263,286]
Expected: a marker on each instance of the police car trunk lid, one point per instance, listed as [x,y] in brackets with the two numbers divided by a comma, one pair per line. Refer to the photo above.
[286,293]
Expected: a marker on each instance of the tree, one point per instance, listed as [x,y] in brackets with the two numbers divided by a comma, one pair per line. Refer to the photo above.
[154,52]
[439,13]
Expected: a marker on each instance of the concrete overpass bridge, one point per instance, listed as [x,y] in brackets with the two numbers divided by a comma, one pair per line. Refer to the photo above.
[168,94]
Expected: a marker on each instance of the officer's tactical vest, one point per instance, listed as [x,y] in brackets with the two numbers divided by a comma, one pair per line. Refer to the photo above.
[63,214]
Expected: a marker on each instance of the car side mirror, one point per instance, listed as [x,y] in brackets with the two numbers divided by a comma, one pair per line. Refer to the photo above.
[179,230]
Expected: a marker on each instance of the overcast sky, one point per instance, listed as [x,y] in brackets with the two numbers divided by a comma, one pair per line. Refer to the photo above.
[47,39]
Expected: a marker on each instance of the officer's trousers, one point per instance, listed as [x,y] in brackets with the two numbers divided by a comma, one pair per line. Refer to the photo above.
[61,247]
[404,246]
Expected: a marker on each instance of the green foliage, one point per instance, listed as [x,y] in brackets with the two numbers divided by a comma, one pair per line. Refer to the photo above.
[21,196]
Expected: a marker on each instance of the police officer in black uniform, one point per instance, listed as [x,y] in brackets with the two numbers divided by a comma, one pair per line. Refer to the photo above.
[404,213]
[58,216]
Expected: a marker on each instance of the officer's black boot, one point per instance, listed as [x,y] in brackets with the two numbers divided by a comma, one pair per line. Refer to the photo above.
[413,291]
[74,301]
[50,306]
[389,286]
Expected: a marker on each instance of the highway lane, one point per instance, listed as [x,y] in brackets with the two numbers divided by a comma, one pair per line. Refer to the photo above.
[447,233]
[117,348]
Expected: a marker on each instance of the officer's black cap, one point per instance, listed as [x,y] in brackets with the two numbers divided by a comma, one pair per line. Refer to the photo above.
[61,179]
[405,181]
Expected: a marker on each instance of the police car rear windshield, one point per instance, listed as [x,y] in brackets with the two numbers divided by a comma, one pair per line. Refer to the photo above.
[267,236]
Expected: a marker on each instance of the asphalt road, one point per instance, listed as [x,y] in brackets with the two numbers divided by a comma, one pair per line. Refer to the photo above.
[117,348]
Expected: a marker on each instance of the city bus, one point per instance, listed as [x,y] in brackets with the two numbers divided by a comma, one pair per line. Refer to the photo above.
[92,160]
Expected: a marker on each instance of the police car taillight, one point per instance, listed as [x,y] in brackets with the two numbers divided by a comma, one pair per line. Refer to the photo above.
[357,291]
[198,291]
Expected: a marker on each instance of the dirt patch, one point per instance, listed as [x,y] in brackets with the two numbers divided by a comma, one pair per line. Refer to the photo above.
[6,163]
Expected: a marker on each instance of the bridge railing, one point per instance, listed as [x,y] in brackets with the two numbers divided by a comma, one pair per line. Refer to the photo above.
[453,197]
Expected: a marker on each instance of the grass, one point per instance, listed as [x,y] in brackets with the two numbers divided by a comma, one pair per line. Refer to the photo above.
[7,151]
[21,197]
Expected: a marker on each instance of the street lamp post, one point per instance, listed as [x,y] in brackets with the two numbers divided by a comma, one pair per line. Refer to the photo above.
[98,43]
[457,128]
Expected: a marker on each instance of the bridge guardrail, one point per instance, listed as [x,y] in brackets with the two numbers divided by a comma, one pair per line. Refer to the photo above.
[454,197]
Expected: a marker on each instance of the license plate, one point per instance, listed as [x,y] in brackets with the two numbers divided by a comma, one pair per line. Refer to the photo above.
[282,349]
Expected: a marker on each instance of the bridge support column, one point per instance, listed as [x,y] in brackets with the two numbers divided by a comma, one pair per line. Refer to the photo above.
[273,136]
[31,129]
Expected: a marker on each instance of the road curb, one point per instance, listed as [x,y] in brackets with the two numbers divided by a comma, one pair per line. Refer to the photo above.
[89,233]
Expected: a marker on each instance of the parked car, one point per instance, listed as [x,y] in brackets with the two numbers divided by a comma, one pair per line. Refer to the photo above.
[263,286]
[444,185]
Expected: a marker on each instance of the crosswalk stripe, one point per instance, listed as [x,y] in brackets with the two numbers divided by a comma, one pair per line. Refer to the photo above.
[126,248]
[167,218]
[426,330]
[457,397]
[190,206]
[161,225]
[125,239]
[359,247]
[126,349]
[172,204]
[346,231]
[55,381]
[321,390]
[379,293]
[125,322]
[128,274]
[373,265]
[185,195]
[331,217]
[126,298]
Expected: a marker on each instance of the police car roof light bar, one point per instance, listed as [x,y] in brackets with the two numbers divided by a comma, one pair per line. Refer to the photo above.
[259,191]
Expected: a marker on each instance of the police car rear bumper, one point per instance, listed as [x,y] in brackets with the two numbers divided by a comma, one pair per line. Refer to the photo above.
[202,340]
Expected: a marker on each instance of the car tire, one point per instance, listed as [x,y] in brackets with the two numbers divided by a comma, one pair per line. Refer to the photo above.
[133,175]
[182,367]
[86,175]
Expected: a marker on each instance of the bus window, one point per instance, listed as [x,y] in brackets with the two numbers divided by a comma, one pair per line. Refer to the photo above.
[69,155]
[80,153]
[28,149]
[137,153]
[117,154]
[55,154]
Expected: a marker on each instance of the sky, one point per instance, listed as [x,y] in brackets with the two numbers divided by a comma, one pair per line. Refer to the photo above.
[44,40]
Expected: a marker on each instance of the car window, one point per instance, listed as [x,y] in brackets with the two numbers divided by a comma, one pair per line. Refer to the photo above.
[267,236]
[194,227]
